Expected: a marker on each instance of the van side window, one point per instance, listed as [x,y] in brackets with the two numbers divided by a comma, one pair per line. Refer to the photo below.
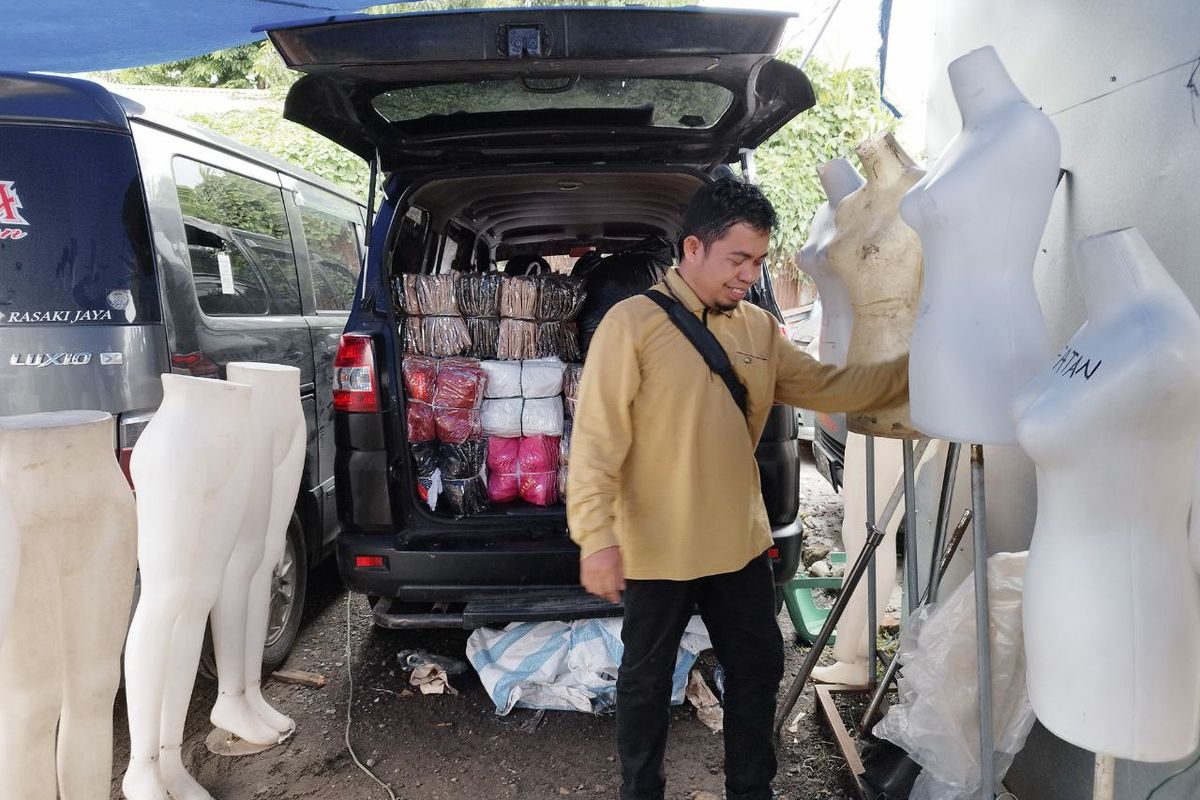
[408,255]
[238,242]
[330,232]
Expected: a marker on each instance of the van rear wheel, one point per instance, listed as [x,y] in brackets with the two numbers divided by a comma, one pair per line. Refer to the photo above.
[289,583]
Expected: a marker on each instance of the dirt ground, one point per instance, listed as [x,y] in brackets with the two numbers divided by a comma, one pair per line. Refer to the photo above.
[436,747]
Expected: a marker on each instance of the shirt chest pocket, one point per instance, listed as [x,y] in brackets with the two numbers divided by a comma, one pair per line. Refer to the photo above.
[754,371]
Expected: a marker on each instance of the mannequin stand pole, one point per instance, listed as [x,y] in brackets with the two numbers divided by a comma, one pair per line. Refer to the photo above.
[943,522]
[868,718]
[983,636]
[911,575]
[1104,778]
[875,536]
[872,587]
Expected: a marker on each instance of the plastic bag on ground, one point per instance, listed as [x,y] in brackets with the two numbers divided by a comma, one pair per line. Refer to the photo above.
[542,417]
[503,378]
[566,666]
[937,717]
[542,377]
[502,417]
[517,340]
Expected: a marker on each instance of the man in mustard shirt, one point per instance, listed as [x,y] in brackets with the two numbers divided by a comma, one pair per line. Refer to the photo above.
[663,490]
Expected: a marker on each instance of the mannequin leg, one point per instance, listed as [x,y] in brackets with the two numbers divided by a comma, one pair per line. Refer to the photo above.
[92,643]
[184,657]
[285,483]
[30,671]
[232,623]
[850,650]
[10,562]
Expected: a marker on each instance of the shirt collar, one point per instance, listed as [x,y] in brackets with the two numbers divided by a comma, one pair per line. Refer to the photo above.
[684,294]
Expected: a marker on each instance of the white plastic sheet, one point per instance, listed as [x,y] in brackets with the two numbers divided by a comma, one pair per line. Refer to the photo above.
[937,717]
[565,666]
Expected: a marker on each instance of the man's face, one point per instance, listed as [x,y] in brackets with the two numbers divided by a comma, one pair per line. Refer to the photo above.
[723,272]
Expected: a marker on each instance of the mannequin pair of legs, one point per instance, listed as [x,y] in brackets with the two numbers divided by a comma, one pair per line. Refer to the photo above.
[60,660]
[240,617]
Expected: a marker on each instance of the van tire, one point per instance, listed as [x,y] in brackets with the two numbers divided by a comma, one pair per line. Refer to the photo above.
[289,585]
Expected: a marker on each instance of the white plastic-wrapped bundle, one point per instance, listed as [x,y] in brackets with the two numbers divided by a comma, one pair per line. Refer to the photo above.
[542,377]
[542,416]
[502,417]
[503,379]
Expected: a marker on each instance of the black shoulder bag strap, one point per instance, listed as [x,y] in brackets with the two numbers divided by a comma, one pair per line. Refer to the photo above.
[705,342]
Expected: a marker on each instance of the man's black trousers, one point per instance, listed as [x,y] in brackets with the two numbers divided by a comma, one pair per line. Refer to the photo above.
[739,610]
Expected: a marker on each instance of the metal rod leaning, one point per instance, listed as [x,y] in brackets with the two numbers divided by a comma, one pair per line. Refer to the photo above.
[849,584]
[943,564]
[872,584]
[983,627]
[912,580]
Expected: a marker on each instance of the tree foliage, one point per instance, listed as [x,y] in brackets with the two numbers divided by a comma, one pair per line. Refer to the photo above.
[847,112]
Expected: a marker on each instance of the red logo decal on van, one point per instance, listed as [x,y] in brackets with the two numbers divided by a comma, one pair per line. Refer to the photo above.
[10,205]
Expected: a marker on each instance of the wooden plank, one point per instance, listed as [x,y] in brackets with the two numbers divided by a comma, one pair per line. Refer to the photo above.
[300,677]
[845,741]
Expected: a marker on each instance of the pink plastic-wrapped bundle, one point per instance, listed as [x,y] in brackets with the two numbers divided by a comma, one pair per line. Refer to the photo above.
[537,464]
[457,425]
[421,427]
[420,377]
[502,458]
[460,384]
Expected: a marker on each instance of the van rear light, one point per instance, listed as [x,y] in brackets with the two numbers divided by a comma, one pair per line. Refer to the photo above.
[369,562]
[773,553]
[354,386]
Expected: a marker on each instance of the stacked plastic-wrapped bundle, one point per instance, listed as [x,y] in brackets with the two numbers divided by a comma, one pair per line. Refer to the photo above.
[564,458]
[541,386]
[518,310]
[443,398]
[420,381]
[503,403]
[571,378]
[559,300]
[432,325]
[478,296]
[523,469]
[450,477]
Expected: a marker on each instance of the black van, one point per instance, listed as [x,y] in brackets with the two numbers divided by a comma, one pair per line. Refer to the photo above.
[496,135]
[133,243]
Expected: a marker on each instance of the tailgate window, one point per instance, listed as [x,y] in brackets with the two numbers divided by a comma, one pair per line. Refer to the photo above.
[74,240]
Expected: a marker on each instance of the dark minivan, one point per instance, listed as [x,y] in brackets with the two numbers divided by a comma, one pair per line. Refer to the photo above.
[133,243]
[499,135]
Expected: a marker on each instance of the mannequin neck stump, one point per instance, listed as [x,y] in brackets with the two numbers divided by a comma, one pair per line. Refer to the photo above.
[1117,269]
[839,178]
[982,85]
[883,160]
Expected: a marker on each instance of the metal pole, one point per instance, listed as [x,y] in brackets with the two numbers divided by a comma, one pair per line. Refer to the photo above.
[912,589]
[943,563]
[983,636]
[872,588]
[849,584]
[943,520]
[820,33]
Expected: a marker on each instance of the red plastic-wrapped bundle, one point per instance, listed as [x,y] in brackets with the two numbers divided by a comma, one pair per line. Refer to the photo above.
[457,425]
[421,427]
[460,383]
[537,463]
[502,458]
[420,377]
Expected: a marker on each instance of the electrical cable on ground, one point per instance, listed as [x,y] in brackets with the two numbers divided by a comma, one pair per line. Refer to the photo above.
[1173,776]
[350,708]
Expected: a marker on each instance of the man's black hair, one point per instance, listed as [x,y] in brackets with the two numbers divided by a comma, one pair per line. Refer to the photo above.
[718,206]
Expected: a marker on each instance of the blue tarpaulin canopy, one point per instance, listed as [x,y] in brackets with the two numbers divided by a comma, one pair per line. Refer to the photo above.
[85,35]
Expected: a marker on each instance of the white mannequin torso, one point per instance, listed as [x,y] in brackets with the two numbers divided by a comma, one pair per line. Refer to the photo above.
[10,560]
[980,213]
[838,178]
[879,259]
[1110,546]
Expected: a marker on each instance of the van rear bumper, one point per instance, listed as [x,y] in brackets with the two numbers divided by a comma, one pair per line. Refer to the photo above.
[462,574]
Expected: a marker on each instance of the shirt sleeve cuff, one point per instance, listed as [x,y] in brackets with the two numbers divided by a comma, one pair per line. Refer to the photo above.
[595,542]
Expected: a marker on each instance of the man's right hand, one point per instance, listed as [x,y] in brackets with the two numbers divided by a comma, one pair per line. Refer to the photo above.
[603,574]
